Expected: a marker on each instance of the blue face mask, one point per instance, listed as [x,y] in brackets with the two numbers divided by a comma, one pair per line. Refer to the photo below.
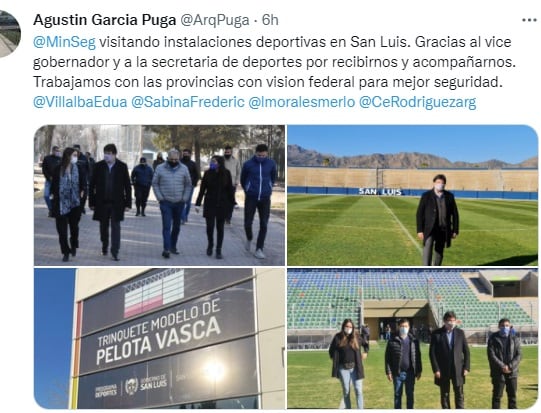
[504,331]
[213,166]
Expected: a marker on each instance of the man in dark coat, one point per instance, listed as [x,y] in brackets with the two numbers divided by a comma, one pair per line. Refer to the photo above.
[504,355]
[50,162]
[450,360]
[110,197]
[141,178]
[403,363]
[195,175]
[437,220]
[84,168]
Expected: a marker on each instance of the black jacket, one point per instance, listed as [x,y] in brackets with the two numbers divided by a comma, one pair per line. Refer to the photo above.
[496,358]
[334,354]
[50,162]
[219,196]
[393,355]
[427,215]
[194,171]
[449,362]
[121,190]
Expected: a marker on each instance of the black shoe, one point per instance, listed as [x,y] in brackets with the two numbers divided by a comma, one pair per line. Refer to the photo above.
[50,214]
[137,214]
[165,254]
[209,251]
[73,251]
[66,258]
[143,214]
[219,254]
[175,251]
[104,251]
[115,256]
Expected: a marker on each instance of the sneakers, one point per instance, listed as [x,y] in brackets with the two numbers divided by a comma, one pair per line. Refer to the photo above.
[247,245]
[259,253]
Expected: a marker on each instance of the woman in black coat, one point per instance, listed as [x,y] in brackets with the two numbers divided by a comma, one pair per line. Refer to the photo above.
[68,188]
[347,361]
[217,189]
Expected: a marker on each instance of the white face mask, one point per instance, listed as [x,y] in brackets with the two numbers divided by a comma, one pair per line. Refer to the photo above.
[73,160]
[439,187]
[109,158]
[347,331]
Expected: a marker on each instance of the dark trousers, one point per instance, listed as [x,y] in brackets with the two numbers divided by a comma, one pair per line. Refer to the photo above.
[434,242]
[71,220]
[263,210]
[445,389]
[104,230]
[510,384]
[219,231]
[404,379]
[141,197]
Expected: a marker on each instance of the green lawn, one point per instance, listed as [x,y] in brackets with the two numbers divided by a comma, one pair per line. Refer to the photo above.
[310,385]
[355,230]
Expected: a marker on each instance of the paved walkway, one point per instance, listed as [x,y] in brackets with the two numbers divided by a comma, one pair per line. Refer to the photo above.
[141,241]
[6,47]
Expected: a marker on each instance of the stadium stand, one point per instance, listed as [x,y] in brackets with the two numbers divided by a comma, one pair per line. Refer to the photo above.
[516,180]
[322,298]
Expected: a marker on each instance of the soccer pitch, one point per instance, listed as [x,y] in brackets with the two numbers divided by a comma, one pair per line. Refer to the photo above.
[310,385]
[330,230]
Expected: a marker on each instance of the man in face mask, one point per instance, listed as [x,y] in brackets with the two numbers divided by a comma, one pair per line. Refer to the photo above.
[232,164]
[172,186]
[109,197]
[450,360]
[437,221]
[504,355]
[403,363]
[257,178]
[195,176]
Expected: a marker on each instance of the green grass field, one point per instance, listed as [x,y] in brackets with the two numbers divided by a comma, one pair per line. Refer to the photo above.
[355,230]
[310,385]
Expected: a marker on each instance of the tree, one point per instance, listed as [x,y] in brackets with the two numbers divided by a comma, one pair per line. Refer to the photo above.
[203,140]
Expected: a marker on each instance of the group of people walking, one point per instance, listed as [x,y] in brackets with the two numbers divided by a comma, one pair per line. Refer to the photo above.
[109,187]
[449,358]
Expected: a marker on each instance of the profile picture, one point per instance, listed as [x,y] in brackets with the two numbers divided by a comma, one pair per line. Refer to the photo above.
[10,33]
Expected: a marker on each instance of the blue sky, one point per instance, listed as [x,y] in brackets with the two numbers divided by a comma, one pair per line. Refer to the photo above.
[508,143]
[53,317]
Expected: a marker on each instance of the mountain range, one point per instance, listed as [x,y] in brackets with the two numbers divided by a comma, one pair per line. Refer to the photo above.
[299,156]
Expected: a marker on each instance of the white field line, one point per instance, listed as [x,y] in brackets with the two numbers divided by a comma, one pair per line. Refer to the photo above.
[413,240]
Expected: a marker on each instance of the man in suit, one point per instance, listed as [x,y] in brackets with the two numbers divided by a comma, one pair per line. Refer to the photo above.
[437,220]
[109,197]
[450,360]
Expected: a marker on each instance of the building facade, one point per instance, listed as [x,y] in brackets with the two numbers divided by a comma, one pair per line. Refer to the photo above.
[178,338]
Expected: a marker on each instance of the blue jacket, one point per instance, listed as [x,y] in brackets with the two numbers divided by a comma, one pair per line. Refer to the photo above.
[141,175]
[257,178]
